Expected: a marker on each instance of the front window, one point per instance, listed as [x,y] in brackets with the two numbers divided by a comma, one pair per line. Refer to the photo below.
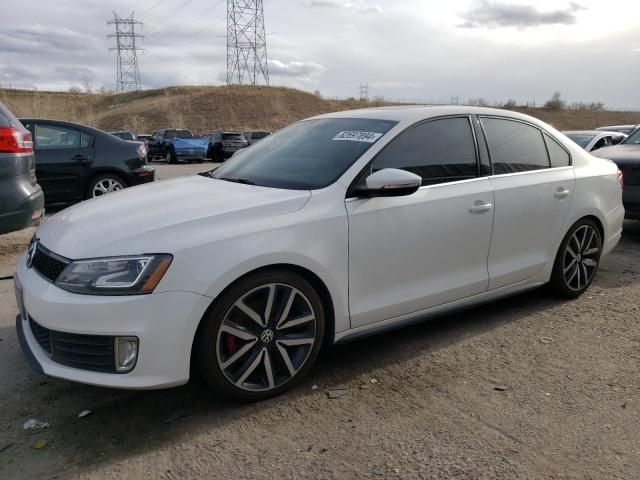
[307,155]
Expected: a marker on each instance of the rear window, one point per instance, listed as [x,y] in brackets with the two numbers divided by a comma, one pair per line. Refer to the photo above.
[233,136]
[171,134]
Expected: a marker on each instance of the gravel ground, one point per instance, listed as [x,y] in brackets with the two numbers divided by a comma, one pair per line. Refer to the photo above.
[528,387]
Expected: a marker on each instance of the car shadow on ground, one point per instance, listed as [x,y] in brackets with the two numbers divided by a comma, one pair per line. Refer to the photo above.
[123,424]
[126,423]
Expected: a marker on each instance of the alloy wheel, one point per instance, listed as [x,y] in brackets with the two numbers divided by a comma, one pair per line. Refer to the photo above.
[266,337]
[581,257]
[106,185]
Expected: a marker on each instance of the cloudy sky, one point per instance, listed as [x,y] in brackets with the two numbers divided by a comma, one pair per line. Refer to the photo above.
[404,49]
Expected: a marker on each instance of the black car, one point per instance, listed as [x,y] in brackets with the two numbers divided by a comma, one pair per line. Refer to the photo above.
[223,145]
[21,198]
[252,136]
[124,135]
[627,156]
[76,162]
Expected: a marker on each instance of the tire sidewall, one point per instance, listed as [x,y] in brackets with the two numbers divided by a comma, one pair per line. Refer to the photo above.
[94,181]
[558,282]
[207,341]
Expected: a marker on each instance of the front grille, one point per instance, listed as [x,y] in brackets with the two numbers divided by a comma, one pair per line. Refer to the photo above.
[48,264]
[86,352]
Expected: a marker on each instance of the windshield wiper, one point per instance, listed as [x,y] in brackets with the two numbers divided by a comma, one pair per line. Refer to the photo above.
[246,181]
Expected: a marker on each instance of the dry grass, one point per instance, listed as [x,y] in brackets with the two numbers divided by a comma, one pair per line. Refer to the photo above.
[203,109]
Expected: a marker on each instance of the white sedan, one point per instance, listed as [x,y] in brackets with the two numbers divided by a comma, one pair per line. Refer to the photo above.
[335,227]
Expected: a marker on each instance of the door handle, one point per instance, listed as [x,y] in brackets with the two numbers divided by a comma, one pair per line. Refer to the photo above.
[81,158]
[562,193]
[480,207]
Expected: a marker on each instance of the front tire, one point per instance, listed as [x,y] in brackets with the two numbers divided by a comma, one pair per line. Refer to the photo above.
[262,336]
[577,260]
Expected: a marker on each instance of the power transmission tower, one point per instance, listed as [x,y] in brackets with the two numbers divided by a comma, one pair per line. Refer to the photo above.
[364,92]
[127,73]
[246,43]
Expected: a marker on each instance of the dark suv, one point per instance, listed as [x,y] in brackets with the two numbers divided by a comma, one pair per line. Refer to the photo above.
[75,162]
[21,198]
[223,145]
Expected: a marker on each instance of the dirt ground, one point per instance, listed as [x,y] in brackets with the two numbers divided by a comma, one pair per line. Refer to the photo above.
[526,388]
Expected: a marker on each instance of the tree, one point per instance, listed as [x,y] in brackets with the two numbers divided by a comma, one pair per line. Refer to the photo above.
[555,102]
[510,104]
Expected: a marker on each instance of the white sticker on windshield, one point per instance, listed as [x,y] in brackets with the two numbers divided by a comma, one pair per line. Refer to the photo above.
[355,136]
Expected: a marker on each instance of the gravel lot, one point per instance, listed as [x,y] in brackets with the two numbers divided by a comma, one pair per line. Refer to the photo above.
[529,387]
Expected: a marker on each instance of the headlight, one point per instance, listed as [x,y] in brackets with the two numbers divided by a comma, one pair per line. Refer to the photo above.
[130,275]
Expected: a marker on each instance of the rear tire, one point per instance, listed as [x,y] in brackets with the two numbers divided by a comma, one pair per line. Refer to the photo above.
[577,259]
[261,337]
[104,184]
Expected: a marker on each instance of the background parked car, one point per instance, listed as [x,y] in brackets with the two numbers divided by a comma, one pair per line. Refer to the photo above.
[592,140]
[223,145]
[175,145]
[627,156]
[21,198]
[252,136]
[75,162]
[626,129]
[124,135]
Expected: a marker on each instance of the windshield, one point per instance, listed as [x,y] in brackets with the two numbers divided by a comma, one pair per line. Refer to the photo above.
[581,139]
[306,155]
[634,138]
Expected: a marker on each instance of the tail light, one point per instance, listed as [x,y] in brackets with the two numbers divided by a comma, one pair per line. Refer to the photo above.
[621,178]
[13,140]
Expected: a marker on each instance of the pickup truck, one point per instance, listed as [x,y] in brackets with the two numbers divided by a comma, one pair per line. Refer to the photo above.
[175,145]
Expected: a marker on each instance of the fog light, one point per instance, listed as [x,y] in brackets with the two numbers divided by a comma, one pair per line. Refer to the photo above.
[126,353]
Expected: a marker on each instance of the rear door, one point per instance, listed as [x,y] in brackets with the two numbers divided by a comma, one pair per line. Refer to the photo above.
[533,185]
[63,159]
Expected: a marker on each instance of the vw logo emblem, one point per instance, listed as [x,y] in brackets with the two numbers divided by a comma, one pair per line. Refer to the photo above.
[267,336]
[31,252]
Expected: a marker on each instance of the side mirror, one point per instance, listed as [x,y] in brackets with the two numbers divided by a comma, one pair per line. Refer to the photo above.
[390,182]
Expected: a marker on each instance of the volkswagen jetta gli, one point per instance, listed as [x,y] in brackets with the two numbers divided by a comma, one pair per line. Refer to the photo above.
[335,227]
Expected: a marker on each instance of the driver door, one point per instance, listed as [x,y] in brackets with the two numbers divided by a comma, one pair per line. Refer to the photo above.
[410,253]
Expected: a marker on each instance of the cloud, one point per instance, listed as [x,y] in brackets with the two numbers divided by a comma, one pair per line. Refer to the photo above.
[359,5]
[492,14]
[300,70]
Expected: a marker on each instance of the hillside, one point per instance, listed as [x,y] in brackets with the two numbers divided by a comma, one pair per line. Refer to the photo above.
[203,109]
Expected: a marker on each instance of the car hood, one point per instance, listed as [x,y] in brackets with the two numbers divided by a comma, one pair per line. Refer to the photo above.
[620,154]
[164,216]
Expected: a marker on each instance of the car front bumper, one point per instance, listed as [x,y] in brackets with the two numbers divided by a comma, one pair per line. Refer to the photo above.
[164,323]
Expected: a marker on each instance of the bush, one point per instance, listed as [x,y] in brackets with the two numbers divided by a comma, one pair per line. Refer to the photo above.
[510,104]
[589,107]
[555,102]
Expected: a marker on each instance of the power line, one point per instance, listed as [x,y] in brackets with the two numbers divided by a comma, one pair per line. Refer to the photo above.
[127,72]
[246,43]
[188,21]
[151,8]
[164,17]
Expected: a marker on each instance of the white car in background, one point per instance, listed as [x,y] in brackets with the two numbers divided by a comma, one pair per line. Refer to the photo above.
[592,140]
[335,227]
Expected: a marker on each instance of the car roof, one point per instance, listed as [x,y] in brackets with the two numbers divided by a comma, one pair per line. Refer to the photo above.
[408,114]
[591,132]
[62,123]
